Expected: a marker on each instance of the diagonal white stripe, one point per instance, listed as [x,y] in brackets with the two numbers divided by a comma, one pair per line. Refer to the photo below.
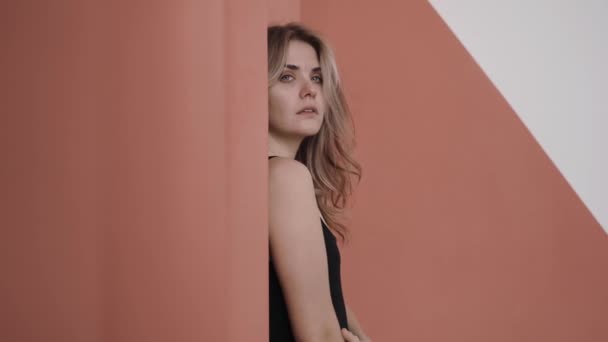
[549,61]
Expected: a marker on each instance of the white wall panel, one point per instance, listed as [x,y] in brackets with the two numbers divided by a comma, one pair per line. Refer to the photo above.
[549,61]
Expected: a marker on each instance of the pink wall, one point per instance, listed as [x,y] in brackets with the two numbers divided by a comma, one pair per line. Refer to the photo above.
[132,132]
[462,228]
[132,135]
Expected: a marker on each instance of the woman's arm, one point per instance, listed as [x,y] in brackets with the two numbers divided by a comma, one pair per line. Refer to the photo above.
[298,252]
[354,326]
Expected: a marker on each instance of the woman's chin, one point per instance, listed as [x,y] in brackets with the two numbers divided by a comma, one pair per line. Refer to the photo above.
[310,131]
[305,133]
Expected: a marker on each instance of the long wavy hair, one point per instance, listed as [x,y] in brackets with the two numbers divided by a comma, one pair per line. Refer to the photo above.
[327,154]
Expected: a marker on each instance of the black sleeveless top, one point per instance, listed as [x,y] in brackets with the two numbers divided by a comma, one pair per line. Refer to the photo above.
[280,326]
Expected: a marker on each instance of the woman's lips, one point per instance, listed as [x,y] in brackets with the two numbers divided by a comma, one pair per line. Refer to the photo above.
[304,113]
[308,110]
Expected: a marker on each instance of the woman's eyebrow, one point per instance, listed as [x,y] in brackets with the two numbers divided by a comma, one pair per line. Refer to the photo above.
[295,67]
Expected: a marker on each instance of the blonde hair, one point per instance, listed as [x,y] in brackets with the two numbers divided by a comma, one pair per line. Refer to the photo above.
[327,154]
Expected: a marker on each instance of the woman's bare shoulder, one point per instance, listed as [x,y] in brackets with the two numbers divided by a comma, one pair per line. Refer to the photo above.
[286,169]
[291,180]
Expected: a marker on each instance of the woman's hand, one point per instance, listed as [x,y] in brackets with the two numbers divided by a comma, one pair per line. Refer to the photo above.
[350,337]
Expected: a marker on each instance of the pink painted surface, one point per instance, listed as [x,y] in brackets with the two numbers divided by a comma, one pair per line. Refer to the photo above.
[132,134]
[462,228]
[281,11]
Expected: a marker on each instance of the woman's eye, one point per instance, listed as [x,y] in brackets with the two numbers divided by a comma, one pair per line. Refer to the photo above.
[318,79]
[284,77]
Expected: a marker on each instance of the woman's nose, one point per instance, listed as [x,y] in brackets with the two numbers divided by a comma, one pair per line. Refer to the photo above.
[308,90]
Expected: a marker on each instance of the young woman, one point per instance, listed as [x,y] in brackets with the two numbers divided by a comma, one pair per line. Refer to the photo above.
[309,180]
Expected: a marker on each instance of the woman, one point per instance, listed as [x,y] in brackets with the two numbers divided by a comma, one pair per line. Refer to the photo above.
[309,180]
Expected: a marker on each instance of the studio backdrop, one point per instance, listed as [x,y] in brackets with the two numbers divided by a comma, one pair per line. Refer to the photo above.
[134,179]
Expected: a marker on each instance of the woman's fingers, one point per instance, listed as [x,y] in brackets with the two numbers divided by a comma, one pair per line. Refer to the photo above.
[350,337]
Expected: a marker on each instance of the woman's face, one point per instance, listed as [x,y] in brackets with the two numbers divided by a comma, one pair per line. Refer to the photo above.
[299,86]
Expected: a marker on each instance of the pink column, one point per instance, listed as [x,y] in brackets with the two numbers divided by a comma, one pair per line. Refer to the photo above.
[134,171]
